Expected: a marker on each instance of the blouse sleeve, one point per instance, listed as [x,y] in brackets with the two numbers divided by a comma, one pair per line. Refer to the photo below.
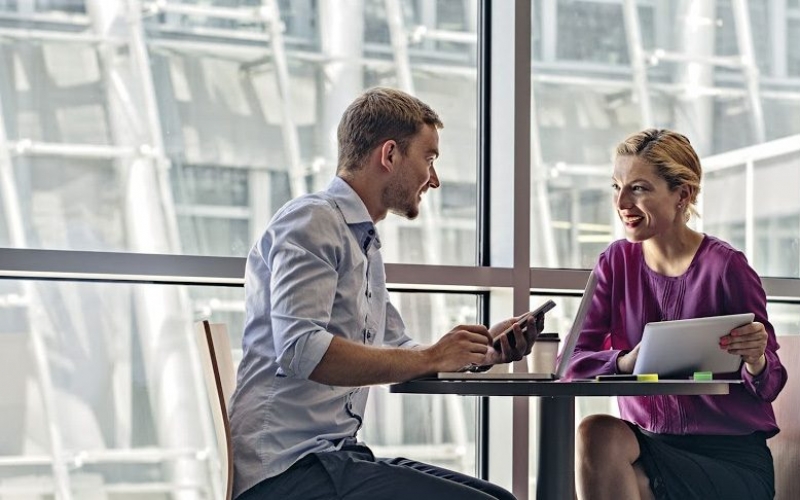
[592,356]
[744,293]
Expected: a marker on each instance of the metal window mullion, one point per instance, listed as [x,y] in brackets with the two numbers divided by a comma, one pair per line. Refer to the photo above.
[149,196]
[744,37]
[68,150]
[522,123]
[428,21]
[430,214]
[541,214]
[548,21]
[291,139]
[141,64]
[242,14]
[749,209]
[510,216]
[158,316]
[36,316]
[633,33]
[8,189]
[399,40]
[41,35]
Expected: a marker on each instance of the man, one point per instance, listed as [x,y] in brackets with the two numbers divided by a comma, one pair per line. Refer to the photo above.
[319,326]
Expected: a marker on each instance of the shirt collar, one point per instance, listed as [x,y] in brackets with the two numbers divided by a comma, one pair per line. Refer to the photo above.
[348,201]
[354,212]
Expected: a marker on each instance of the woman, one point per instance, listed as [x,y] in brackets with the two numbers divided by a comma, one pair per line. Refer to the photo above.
[674,447]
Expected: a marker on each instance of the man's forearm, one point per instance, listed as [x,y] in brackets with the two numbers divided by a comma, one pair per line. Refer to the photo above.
[347,363]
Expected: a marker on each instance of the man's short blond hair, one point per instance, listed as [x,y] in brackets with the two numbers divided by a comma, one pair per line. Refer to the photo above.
[376,116]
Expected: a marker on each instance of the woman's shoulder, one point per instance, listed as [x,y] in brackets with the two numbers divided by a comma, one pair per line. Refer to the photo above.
[622,249]
[620,253]
[713,246]
[718,257]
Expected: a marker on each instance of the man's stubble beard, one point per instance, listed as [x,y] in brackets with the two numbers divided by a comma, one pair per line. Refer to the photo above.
[399,199]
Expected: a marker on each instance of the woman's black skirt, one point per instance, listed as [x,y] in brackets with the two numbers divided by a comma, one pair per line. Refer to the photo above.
[706,467]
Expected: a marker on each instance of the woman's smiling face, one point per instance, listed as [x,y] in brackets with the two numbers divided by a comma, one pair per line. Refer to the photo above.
[644,202]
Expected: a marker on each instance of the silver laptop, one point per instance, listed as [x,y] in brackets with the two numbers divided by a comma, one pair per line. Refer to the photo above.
[566,352]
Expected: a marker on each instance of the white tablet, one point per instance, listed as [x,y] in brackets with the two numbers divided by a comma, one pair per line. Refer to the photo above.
[682,347]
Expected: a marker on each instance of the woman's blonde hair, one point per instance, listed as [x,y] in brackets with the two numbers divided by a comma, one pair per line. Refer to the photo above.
[673,157]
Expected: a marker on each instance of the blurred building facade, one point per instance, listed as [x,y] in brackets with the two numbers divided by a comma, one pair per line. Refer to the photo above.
[179,127]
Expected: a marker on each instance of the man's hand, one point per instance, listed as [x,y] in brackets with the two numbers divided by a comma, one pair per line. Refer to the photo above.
[464,345]
[520,346]
[749,342]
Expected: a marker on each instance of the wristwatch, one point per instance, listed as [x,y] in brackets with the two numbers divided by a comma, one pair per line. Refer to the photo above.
[478,368]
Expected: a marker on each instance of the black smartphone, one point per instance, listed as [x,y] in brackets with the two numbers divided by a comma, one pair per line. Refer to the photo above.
[523,324]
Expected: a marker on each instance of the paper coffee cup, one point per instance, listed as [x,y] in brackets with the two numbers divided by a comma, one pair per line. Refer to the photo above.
[544,353]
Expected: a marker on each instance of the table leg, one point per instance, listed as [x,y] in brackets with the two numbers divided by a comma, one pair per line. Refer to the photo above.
[556,476]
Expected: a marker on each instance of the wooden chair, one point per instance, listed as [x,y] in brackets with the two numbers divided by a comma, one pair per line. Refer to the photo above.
[220,378]
[785,446]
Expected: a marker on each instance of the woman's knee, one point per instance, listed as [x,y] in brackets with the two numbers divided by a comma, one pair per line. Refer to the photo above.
[602,436]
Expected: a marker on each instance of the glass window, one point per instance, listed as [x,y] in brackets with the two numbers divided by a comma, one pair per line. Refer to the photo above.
[591,32]
[559,320]
[187,139]
[693,78]
[785,317]
[439,428]
[227,118]
[102,392]
[793,42]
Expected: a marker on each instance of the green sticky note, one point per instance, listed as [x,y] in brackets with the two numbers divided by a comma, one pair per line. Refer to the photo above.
[703,376]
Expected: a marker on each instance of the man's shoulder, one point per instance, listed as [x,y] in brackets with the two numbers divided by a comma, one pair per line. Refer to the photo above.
[314,208]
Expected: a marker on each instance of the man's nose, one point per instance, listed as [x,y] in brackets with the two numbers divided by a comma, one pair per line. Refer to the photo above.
[433,180]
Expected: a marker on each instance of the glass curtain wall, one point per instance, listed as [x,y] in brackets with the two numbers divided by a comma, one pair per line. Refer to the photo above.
[179,126]
[719,71]
[722,72]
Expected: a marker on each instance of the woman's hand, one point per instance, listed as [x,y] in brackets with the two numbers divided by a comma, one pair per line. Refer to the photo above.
[627,361]
[749,342]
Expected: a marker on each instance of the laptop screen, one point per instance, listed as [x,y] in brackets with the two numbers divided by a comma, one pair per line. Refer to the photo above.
[577,326]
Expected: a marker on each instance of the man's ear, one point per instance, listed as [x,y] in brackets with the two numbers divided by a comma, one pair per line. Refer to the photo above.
[389,153]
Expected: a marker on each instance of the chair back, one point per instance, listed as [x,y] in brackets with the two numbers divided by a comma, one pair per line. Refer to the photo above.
[220,379]
[785,446]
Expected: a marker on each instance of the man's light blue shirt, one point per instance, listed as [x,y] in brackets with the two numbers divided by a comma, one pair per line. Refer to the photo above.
[316,272]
